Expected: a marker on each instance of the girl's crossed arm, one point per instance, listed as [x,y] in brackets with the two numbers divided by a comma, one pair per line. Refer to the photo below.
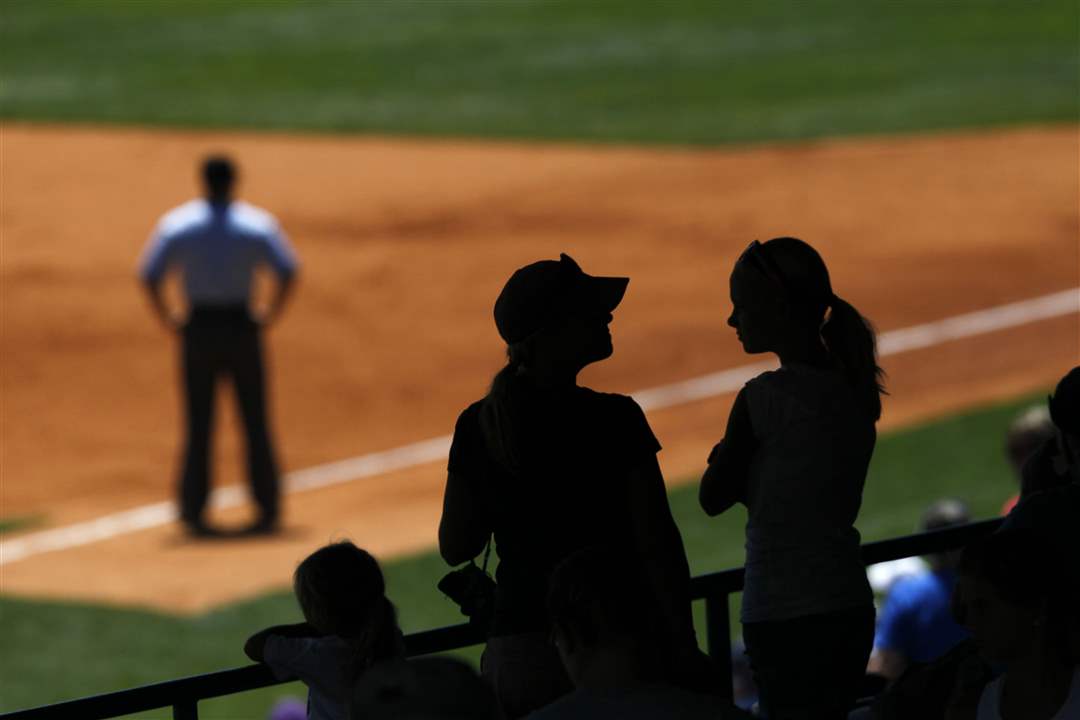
[724,481]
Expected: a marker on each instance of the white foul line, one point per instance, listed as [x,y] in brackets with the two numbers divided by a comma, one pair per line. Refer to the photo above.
[917,337]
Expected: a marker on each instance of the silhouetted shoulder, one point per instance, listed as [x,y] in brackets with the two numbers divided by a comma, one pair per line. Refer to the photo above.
[623,416]
[802,389]
[468,440]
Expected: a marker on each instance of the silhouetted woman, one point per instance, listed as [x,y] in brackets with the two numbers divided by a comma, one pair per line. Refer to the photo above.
[549,468]
[795,452]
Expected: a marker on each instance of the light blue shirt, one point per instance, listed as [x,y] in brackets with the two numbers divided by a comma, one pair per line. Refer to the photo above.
[217,248]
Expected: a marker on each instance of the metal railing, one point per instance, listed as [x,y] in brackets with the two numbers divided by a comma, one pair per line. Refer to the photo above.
[184,694]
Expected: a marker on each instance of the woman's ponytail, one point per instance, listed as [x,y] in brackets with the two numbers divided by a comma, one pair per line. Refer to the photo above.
[499,411]
[851,339]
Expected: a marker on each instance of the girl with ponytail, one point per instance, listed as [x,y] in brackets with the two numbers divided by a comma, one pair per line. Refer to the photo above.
[549,468]
[795,452]
[349,626]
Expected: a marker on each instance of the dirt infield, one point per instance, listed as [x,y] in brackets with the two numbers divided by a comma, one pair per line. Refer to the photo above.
[404,246]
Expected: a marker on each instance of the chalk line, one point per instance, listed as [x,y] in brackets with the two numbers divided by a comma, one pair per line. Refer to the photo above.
[892,342]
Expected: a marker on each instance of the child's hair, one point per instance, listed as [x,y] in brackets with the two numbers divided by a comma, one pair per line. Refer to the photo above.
[600,591]
[849,336]
[341,592]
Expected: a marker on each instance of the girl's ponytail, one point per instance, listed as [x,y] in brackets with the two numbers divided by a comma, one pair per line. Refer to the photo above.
[378,639]
[851,339]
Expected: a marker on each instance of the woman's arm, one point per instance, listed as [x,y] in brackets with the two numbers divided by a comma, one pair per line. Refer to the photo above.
[661,545]
[465,526]
[255,646]
[724,481]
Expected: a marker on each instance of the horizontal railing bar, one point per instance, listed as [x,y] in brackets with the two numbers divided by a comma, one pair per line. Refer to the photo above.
[926,543]
[452,637]
[156,695]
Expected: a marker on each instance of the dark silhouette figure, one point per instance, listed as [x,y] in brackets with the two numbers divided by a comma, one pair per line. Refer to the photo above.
[349,627]
[795,452]
[429,688]
[216,243]
[1019,606]
[550,467]
[1050,501]
[609,633]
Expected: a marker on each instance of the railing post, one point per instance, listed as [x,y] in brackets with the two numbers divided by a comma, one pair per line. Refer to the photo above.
[186,710]
[718,638]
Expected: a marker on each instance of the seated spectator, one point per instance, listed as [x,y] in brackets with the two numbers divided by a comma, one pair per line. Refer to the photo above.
[1018,610]
[606,627]
[350,625]
[434,688]
[1029,431]
[916,623]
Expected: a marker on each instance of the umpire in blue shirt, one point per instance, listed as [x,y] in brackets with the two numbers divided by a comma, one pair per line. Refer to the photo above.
[216,243]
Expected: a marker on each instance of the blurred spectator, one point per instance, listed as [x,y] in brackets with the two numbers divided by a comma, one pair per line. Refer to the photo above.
[350,626]
[1057,463]
[609,634]
[884,575]
[916,624]
[435,688]
[1029,431]
[1018,611]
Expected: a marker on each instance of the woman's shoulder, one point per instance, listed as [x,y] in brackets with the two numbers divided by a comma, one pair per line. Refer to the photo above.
[609,402]
[471,414]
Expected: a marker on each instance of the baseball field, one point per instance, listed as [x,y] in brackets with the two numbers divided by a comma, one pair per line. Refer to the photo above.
[417,153]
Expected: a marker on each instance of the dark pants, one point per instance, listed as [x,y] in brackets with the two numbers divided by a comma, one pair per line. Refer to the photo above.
[810,667]
[224,342]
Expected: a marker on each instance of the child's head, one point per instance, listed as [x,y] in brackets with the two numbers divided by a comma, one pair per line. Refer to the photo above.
[598,598]
[781,294]
[338,587]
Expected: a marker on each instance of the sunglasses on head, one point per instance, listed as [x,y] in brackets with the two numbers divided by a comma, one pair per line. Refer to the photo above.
[756,254]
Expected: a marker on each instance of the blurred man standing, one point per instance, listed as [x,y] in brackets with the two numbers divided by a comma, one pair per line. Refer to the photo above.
[216,243]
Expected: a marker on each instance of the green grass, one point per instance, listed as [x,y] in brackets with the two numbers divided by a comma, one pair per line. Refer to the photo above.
[627,71]
[54,651]
[22,522]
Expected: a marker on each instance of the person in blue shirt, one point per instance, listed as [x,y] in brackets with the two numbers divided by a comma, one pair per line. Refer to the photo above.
[215,243]
[916,624]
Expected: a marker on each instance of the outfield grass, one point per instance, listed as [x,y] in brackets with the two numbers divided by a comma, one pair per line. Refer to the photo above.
[54,651]
[633,70]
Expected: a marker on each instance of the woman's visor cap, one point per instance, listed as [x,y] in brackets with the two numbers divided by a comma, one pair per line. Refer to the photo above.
[543,293]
